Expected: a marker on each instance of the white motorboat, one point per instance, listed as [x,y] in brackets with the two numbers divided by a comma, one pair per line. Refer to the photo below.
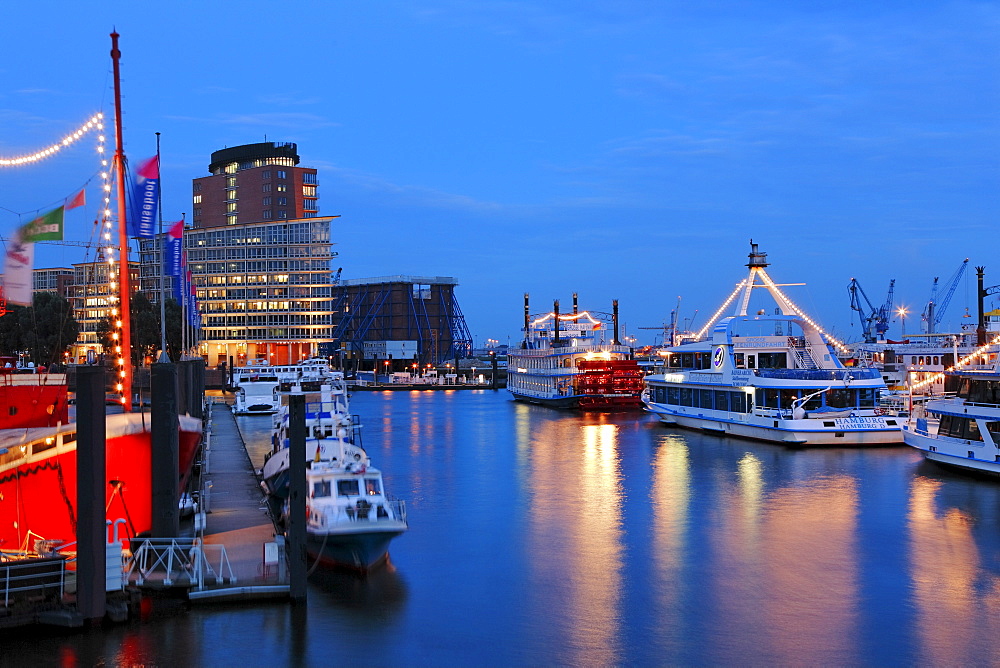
[962,430]
[774,378]
[350,520]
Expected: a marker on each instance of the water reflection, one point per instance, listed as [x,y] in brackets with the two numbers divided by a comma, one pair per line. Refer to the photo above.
[575,525]
[957,600]
[671,498]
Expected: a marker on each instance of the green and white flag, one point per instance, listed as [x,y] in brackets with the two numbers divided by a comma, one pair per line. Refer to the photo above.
[44,228]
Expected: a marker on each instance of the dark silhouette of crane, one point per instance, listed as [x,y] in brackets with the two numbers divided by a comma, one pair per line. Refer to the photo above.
[874,320]
[934,310]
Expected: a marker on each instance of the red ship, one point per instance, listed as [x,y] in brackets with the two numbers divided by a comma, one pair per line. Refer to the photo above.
[38,463]
[608,385]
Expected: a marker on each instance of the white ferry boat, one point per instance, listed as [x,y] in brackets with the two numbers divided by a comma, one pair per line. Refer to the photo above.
[774,378]
[962,430]
[570,361]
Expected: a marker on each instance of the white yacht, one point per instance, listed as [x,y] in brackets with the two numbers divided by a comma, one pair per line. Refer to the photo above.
[257,394]
[963,430]
[770,377]
[350,519]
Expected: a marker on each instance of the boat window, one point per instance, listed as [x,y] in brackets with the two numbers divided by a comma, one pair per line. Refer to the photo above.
[772,361]
[685,396]
[866,398]
[348,488]
[787,397]
[740,361]
[321,488]
[738,402]
[935,359]
[984,392]
[674,396]
[687,360]
[372,486]
[959,427]
[840,398]
[913,360]
[42,446]
[994,429]
[706,398]
[721,401]
[751,361]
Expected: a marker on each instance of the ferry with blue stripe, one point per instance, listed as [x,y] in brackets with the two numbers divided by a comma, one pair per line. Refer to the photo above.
[770,377]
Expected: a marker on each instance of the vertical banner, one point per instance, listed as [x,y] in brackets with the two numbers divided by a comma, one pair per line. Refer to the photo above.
[18,267]
[145,195]
[175,247]
[20,260]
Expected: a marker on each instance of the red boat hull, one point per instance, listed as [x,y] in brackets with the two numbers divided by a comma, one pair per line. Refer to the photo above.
[38,480]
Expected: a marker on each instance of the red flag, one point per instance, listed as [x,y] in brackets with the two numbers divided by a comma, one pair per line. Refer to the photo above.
[76,200]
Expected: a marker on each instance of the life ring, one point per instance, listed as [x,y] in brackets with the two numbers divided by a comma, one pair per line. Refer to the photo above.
[879,410]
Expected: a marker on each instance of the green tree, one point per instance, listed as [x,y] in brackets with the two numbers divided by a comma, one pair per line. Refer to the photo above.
[10,332]
[145,327]
[47,329]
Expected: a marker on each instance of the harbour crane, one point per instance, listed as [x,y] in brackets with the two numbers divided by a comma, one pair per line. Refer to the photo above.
[934,310]
[874,320]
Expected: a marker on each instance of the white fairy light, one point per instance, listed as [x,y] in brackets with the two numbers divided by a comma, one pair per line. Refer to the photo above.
[93,122]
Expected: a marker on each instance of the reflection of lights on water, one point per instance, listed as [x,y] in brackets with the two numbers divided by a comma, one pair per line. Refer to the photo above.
[670,497]
[750,472]
[575,512]
[948,579]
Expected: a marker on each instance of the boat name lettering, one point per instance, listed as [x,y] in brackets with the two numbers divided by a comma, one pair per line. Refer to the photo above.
[759,341]
[856,422]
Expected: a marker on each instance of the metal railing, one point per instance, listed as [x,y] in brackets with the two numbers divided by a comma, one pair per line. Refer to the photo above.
[187,561]
[22,578]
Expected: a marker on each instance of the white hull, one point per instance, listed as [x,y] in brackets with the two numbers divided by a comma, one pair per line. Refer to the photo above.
[953,452]
[849,431]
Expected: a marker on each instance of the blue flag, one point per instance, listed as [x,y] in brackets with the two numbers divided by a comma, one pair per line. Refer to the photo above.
[145,197]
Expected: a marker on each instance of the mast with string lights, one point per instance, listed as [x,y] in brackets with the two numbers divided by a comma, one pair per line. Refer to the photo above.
[122,320]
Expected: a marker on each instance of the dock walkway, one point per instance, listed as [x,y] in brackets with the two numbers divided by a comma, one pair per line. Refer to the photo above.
[238,556]
[237,517]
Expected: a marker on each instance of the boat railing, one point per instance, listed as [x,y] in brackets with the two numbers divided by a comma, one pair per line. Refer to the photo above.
[820,374]
[777,413]
[389,509]
[27,576]
[170,561]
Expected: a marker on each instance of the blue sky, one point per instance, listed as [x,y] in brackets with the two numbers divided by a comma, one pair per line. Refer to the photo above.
[624,150]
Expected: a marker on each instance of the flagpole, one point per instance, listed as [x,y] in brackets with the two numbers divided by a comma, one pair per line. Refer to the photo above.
[124,300]
[164,358]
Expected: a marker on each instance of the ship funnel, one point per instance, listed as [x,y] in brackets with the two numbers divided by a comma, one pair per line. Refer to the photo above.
[555,339]
[527,324]
[614,319]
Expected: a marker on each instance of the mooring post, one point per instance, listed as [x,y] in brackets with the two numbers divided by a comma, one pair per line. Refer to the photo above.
[91,529]
[296,545]
[166,445]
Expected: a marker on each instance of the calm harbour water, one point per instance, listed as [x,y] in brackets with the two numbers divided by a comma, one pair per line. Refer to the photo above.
[540,537]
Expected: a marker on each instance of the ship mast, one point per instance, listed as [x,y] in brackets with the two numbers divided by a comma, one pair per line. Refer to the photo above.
[123,350]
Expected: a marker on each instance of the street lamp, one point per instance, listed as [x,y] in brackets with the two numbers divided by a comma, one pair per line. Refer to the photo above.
[901,311]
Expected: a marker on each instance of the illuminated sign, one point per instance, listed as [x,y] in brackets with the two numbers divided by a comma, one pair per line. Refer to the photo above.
[718,357]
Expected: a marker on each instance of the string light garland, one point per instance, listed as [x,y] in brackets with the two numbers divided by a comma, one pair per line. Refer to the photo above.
[95,122]
[771,285]
[978,352]
[719,311]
